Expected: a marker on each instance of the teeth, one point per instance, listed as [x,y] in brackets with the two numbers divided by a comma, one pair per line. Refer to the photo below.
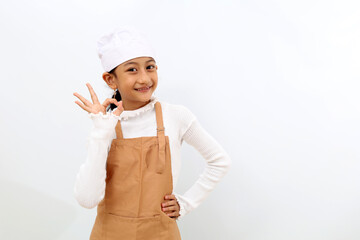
[143,88]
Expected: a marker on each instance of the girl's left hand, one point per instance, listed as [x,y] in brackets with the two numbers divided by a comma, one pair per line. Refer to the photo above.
[171,207]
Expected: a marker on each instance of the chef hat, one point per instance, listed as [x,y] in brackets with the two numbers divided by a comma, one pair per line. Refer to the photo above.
[122,44]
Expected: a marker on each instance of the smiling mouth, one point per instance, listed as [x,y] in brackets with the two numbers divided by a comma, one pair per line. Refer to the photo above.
[142,89]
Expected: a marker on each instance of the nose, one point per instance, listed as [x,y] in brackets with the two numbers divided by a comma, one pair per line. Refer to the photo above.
[144,77]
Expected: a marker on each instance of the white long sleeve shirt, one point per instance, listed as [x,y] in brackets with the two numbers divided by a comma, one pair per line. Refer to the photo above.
[180,125]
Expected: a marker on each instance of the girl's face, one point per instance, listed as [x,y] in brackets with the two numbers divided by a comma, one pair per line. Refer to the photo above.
[131,75]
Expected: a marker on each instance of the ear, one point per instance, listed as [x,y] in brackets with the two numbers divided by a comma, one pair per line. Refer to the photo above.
[109,79]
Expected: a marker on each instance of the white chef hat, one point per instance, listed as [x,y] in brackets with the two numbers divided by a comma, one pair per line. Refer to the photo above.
[122,44]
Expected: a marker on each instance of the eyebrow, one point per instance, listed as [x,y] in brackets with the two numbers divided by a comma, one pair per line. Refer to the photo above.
[151,60]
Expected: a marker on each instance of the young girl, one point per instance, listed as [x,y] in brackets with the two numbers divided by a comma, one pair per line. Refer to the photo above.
[133,160]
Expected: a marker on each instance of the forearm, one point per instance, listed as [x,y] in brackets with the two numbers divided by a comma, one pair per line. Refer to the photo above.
[218,163]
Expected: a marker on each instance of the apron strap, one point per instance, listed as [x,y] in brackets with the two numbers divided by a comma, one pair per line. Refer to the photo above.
[161,137]
[118,130]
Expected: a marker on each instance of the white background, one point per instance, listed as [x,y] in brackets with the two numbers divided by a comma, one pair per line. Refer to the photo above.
[275,82]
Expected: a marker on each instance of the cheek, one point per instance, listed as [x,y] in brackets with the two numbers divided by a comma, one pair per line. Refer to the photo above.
[155,79]
[126,87]
[129,84]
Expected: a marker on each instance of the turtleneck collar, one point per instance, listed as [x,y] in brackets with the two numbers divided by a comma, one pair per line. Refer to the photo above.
[132,113]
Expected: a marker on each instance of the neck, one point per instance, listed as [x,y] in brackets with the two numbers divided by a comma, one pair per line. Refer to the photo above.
[129,105]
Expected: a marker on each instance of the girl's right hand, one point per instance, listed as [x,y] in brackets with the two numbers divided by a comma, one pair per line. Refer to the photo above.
[96,107]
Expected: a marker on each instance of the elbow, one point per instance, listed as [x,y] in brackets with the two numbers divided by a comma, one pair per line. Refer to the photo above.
[222,165]
[88,206]
[86,201]
[85,204]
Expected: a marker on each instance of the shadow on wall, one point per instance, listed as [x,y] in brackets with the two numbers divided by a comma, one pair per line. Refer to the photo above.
[29,214]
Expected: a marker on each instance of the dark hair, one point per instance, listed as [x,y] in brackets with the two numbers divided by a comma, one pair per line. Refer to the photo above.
[117,95]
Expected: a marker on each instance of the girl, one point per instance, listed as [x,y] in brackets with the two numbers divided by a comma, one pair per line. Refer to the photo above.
[133,160]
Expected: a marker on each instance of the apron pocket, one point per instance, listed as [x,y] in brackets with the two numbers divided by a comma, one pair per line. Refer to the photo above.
[120,227]
[172,229]
[170,219]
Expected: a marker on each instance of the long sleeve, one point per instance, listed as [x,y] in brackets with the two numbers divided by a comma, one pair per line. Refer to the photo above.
[90,183]
[218,163]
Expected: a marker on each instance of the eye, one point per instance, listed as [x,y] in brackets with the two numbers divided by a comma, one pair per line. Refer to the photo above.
[130,69]
[153,66]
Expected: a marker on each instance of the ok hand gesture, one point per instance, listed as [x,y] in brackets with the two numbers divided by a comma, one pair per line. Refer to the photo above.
[96,107]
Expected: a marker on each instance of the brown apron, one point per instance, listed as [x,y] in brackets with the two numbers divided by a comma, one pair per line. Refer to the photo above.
[138,177]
